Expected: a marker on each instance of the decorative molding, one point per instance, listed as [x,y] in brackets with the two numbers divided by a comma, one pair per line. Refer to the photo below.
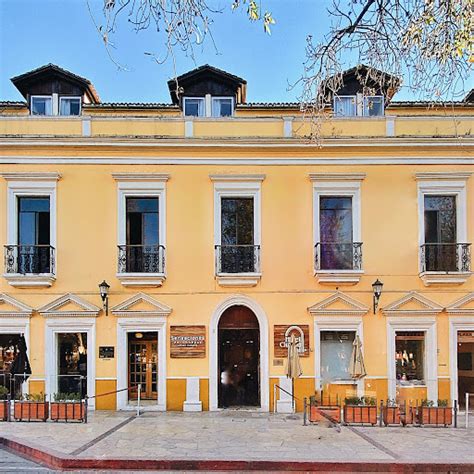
[238,279]
[31,176]
[458,306]
[149,280]
[337,176]
[342,277]
[20,280]
[428,307]
[124,308]
[22,310]
[237,177]
[53,309]
[434,175]
[141,176]
[354,307]
[444,278]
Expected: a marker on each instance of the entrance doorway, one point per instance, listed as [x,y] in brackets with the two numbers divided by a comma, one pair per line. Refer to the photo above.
[72,363]
[8,352]
[465,354]
[239,358]
[143,365]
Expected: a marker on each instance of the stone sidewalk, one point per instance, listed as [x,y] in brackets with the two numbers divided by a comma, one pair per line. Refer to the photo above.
[239,435]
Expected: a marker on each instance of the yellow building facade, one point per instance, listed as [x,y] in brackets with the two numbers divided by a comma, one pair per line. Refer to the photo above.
[221,230]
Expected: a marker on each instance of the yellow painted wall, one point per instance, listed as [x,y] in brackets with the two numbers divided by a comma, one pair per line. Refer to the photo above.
[105,402]
[175,394]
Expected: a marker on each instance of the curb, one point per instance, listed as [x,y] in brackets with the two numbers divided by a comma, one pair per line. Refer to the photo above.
[55,460]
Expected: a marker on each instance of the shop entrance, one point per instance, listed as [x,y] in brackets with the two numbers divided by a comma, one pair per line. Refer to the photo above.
[465,366]
[72,364]
[8,352]
[239,358]
[143,365]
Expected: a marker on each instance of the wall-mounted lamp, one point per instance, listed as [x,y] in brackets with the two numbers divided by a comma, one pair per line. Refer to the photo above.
[377,286]
[104,294]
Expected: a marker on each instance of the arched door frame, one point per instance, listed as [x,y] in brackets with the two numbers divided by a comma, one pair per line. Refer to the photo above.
[238,300]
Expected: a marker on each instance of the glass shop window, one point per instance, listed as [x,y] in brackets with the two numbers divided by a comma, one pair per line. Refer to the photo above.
[345,106]
[222,106]
[41,105]
[194,106]
[336,350]
[72,363]
[69,106]
[409,357]
[373,106]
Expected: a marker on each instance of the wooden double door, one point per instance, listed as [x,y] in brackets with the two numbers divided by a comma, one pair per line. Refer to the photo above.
[143,368]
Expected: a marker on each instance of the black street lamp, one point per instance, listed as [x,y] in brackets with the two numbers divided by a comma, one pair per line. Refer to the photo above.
[377,286]
[104,294]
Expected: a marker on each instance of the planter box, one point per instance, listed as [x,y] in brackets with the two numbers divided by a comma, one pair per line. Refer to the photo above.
[4,410]
[391,416]
[31,411]
[315,415]
[68,411]
[360,414]
[435,416]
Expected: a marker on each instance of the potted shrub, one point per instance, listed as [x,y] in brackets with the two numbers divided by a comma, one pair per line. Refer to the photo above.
[68,407]
[391,413]
[318,411]
[4,404]
[429,414]
[31,407]
[360,410]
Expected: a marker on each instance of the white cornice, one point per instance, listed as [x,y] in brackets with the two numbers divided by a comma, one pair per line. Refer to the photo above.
[125,309]
[237,177]
[141,176]
[31,176]
[440,175]
[337,176]
[426,307]
[351,307]
[53,309]
[21,309]
[460,306]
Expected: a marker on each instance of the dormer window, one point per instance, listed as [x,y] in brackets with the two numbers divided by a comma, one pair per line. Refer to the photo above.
[222,106]
[194,106]
[41,105]
[69,106]
[358,105]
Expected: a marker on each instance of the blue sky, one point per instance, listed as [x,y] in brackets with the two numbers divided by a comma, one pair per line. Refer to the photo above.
[36,32]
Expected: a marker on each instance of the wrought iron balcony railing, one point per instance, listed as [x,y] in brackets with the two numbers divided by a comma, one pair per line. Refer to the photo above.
[141,259]
[237,259]
[443,257]
[29,259]
[338,256]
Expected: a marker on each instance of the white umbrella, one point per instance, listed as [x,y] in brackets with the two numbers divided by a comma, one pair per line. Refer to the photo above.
[357,366]
[293,365]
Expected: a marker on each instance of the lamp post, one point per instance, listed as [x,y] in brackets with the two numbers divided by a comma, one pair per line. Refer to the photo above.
[104,294]
[377,286]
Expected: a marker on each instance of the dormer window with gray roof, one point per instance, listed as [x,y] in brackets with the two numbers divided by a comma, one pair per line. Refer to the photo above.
[51,90]
[208,92]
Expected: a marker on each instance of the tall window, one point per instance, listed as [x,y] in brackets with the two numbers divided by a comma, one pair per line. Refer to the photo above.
[143,253]
[440,233]
[41,105]
[409,357]
[70,106]
[237,235]
[336,235]
[33,235]
[336,350]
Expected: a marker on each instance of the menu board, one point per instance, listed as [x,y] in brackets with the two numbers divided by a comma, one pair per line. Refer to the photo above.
[187,342]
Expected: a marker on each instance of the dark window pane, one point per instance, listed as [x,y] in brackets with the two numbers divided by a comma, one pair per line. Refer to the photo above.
[237,221]
[33,221]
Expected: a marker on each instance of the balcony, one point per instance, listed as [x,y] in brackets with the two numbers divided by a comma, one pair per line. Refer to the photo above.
[445,263]
[238,265]
[338,262]
[29,265]
[141,265]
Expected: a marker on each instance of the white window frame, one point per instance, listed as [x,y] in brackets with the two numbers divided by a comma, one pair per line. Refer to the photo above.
[408,324]
[202,99]
[338,323]
[329,186]
[50,97]
[356,108]
[137,186]
[215,98]
[31,185]
[365,107]
[66,97]
[446,187]
[238,186]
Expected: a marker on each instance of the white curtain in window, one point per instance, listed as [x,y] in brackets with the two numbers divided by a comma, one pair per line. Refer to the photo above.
[42,106]
[221,107]
[373,106]
[345,106]
[335,357]
[69,106]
